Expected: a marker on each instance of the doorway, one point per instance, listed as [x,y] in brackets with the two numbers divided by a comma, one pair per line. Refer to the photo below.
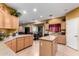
[39,32]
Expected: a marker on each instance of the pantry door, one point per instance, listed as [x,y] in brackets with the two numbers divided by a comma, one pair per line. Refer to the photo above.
[72,33]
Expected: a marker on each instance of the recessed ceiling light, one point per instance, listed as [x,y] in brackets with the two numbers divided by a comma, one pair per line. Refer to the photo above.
[41,16]
[65,9]
[50,15]
[24,12]
[35,10]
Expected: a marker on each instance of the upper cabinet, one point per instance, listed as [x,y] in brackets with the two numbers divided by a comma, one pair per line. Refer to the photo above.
[7,21]
[1,20]
[15,22]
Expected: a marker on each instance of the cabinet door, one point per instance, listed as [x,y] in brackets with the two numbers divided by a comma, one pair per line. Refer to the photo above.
[61,39]
[1,20]
[54,47]
[9,44]
[26,43]
[45,48]
[20,43]
[15,22]
[14,45]
[72,33]
[30,40]
[7,21]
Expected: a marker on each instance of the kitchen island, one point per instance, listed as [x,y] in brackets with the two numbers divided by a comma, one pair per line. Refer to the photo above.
[9,46]
[48,45]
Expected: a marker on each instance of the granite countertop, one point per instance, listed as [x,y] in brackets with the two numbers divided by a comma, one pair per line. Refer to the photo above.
[49,38]
[14,37]
[5,51]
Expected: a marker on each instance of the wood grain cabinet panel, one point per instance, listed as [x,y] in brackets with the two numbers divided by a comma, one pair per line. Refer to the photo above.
[45,48]
[15,22]
[30,40]
[9,44]
[48,48]
[1,20]
[26,43]
[13,45]
[7,22]
[61,39]
[54,47]
[20,43]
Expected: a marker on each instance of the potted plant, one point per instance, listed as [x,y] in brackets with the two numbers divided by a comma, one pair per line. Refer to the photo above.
[2,36]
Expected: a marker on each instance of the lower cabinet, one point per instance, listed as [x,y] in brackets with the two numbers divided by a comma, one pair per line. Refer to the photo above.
[30,40]
[61,39]
[20,43]
[13,47]
[26,42]
[9,44]
[48,48]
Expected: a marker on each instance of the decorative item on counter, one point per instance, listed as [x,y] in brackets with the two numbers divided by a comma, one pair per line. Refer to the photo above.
[2,36]
[11,10]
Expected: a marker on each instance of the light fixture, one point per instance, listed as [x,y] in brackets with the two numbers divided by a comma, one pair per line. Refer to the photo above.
[41,16]
[24,12]
[35,10]
[50,15]
[65,9]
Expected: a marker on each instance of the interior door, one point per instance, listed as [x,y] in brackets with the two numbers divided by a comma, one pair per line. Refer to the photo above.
[72,33]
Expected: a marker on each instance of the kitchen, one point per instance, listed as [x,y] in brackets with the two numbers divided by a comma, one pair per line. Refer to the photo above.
[48,37]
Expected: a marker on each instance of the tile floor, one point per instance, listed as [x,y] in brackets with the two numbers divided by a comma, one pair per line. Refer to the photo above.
[63,50]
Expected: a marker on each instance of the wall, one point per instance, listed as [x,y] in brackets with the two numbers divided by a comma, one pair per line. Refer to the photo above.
[29,25]
[72,14]
[72,28]
[21,29]
[55,21]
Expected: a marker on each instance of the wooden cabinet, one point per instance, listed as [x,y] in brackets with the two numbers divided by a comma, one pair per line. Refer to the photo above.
[26,42]
[1,20]
[48,48]
[30,40]
[45,48]
[20,43]
[54,47]
[13,47]
[15,22]
[61,39]
[7,21]
[9,44]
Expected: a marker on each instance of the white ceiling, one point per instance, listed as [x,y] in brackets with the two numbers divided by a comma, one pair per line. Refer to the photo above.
[43,9]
